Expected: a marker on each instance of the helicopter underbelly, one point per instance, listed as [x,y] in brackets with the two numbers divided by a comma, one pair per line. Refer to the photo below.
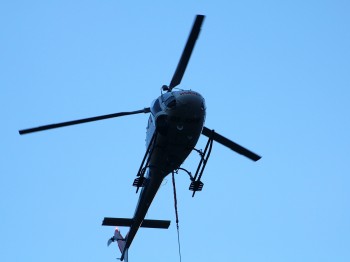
[172,148]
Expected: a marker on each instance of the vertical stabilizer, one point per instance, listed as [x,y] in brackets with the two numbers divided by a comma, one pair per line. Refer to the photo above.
[121,242]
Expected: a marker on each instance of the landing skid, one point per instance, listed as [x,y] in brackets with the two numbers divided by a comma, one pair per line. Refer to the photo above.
[140,180]
[196,183]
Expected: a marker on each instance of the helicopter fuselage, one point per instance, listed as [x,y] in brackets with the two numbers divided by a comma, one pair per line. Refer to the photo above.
[178,118]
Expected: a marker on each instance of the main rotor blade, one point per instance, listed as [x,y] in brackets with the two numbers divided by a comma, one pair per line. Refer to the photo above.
[186,54]
[230,144]
[81,121]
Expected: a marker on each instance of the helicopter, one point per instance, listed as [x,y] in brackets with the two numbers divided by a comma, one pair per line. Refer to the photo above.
[174,126]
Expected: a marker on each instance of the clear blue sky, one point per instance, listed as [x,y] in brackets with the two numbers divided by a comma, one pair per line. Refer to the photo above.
[275,75]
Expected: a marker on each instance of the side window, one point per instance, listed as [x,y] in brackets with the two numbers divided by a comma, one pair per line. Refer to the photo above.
[155,108]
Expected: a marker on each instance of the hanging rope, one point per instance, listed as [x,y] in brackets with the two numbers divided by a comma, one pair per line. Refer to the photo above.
[177,215]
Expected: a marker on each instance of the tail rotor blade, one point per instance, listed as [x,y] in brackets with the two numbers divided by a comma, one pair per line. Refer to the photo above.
[230,144]
[81,121]
[186,54]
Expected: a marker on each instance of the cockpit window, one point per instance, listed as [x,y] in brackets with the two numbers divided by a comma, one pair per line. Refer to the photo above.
[155,108]
[169,100]
[166,96]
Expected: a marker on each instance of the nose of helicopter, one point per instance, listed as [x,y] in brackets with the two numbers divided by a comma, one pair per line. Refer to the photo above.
[189,101]
[184,117]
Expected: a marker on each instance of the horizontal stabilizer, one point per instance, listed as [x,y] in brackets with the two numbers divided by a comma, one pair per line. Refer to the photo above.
[127,222]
